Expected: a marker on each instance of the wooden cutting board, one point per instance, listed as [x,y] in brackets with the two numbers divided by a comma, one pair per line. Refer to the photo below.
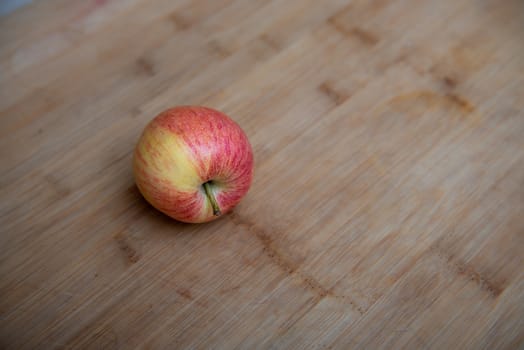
[387,209]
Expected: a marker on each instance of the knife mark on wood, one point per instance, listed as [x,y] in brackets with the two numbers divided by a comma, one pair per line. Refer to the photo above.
[288,266]
[268,246]
[431,99]
[493,287]
[290,323]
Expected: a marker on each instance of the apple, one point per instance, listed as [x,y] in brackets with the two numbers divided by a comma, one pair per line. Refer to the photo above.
[193,163]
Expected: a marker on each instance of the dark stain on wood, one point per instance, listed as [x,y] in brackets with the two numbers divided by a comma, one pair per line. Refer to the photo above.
[446,75]
[449,82]
[184,293]
[336,96]
[218,49]
[352,303]
[431,99]
[270,42]
[145,66]
[314,285]
[493,288]
[57,186]
[229,290]
[362,35]
[460,102]
[179,22]
[125,246]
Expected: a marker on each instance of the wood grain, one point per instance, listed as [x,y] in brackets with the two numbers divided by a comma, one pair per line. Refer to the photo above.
[388,199]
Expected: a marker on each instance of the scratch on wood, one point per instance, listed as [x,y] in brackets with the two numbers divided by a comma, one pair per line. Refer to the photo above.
[278,258]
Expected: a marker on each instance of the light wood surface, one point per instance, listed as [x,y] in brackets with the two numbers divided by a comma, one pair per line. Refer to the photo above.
[387,209]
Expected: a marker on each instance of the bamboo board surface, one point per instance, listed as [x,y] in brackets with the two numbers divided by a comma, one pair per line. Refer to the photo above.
[387,209]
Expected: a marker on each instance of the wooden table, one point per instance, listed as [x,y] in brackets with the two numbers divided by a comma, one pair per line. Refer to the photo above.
[387,209]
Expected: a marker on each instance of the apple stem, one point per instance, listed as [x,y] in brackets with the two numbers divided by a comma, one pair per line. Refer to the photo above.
[212,199]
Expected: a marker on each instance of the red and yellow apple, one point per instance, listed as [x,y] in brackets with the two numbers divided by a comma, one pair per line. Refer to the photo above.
[193,163]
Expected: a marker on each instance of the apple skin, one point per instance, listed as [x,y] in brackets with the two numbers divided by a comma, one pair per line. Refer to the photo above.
[185,147]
